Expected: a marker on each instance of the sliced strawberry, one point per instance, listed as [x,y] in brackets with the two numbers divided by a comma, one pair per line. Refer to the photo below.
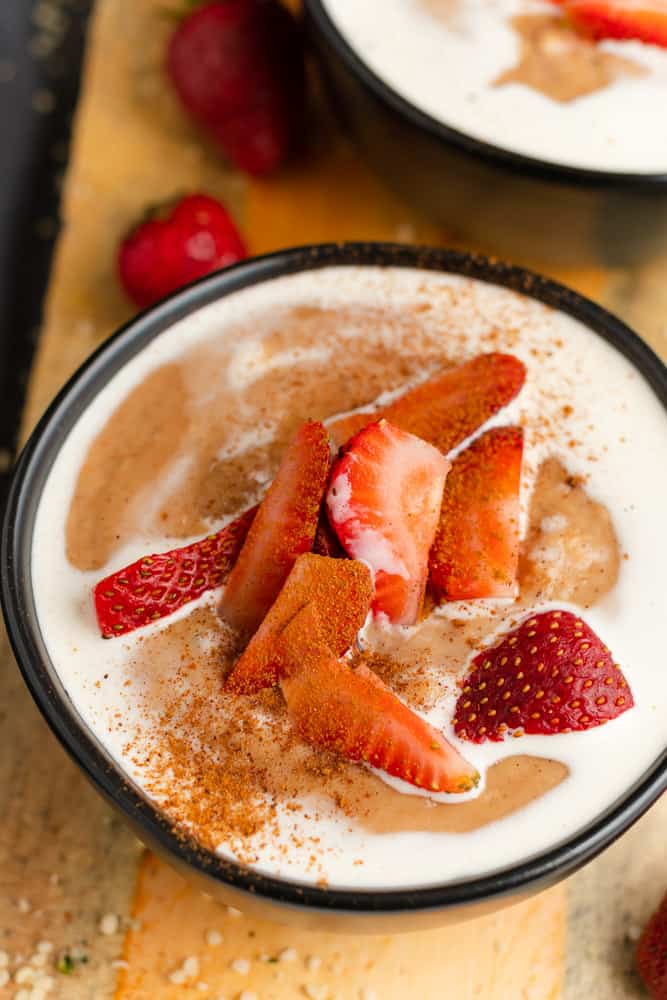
[447,409]
[340,589]
[158,585]
[550,675]
[644,20]
[476,548]
[352,713]
[499,378]
[652,953]
[384,501]
[284,527]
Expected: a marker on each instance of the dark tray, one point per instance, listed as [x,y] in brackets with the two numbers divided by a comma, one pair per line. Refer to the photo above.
[41,49]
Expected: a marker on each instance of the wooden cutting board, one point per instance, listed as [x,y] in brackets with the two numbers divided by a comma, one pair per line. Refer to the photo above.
[70,870]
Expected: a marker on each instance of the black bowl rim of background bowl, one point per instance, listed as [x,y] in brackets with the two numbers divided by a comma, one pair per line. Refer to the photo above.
[41,678]
[498,156]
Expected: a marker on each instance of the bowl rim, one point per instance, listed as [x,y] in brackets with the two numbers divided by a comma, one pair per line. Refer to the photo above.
[30,475]
[491,154]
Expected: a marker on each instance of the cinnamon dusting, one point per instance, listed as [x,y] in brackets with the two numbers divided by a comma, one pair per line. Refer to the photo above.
[224,767]
[339,590]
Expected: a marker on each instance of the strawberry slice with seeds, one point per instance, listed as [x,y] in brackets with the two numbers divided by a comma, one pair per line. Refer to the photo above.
[156,586]
[340,589]
[351,712]
[644,20]
[476,548]
[550,675]
[652,953]
[284,527]
[448,408]
[384,502]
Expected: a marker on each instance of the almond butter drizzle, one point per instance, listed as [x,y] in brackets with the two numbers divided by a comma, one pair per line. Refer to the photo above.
[560,63]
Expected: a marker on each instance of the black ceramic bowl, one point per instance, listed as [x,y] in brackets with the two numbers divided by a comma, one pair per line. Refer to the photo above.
[487,196]
[313,905]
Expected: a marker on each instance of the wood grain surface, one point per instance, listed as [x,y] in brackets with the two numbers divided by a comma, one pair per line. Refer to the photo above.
[65,861]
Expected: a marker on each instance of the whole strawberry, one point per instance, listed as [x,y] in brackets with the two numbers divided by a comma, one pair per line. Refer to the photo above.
[238,68]
[195,237]
[552,674]
[652,953]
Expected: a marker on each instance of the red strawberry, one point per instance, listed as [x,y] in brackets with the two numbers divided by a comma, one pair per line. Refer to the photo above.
[283,528]
[652,953]
[645,20]
[352,713]
[476,548]
[197,236]
[238,68]
[447,409]
[340,589]
[550,675]
[384,502]
[158,585]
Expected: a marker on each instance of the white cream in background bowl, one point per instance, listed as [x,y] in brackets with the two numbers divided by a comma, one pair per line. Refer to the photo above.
[446,67]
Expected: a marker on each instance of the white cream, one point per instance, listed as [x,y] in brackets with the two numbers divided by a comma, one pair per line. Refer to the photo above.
[448,72]
[619,421]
